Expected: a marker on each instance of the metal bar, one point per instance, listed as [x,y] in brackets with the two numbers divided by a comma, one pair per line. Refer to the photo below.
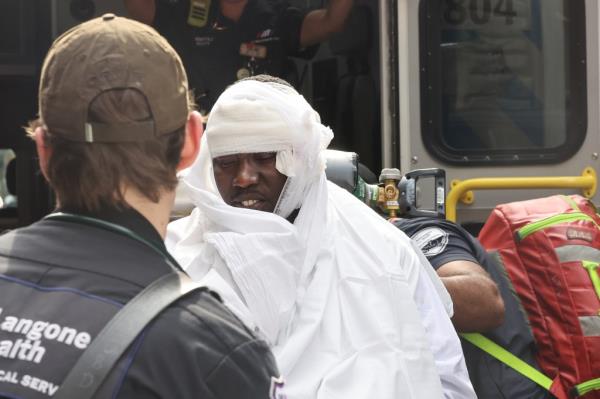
[385,70]
[585,182]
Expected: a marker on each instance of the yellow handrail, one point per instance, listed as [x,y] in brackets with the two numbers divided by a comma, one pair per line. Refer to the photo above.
[587,182]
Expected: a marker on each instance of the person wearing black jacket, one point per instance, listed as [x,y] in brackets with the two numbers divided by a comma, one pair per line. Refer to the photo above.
[115,126]
[483,302]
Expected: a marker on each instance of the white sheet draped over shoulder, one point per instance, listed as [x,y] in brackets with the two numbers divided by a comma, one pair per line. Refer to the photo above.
[349,307]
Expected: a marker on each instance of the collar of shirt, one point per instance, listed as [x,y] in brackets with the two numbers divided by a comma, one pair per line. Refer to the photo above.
[125,217]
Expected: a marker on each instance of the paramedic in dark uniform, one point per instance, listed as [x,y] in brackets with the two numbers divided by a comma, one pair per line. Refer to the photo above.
[465,269]
[115,125]
[221,41]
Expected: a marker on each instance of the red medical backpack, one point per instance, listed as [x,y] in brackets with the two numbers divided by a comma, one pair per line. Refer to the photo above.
[550,248]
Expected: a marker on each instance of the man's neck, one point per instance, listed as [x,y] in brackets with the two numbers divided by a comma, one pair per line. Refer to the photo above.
[157,213]
[232,9]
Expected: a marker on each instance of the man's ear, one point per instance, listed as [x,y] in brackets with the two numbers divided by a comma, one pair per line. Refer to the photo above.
[193,133]
[44,151]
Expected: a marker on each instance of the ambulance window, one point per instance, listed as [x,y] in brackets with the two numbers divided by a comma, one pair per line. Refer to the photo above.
[503,81]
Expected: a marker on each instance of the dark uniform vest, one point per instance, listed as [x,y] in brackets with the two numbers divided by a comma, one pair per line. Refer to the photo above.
[60,282]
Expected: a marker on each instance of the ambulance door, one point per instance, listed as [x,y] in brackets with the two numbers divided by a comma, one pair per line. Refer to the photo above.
[494,88]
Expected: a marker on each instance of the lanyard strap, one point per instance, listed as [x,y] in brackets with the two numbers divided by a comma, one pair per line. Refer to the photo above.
[495,350]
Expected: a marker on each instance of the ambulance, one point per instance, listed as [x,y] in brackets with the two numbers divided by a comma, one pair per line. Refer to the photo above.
[502,95]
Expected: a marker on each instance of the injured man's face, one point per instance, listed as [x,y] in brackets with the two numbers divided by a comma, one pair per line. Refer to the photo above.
[249,180]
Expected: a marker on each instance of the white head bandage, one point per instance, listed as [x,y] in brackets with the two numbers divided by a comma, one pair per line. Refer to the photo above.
[253,116]
[338,274]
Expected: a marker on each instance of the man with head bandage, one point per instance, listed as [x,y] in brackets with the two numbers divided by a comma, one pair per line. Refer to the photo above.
[349,306]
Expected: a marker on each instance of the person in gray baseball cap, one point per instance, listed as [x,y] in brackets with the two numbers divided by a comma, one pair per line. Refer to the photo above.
[115,125]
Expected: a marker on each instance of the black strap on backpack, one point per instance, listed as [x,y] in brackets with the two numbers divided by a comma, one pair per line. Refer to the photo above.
[100,357]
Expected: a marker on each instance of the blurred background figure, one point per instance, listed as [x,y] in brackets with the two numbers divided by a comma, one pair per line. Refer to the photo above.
[221,41]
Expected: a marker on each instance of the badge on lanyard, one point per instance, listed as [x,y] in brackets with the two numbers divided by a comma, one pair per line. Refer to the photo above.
[243,73]
[253,50]
[198,15]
